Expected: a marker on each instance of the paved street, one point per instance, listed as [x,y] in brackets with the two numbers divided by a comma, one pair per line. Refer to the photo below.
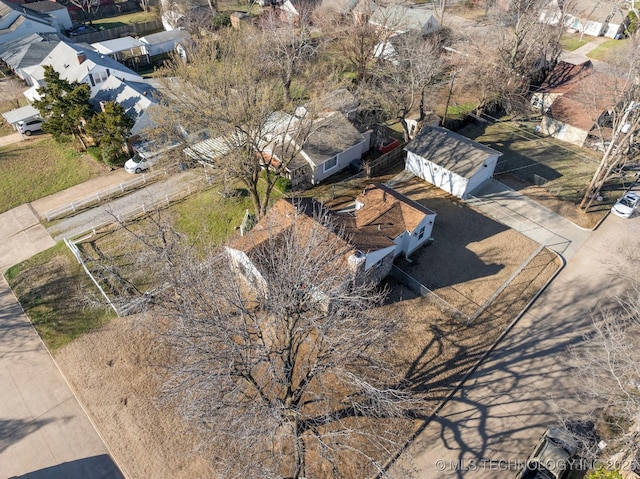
[498,415]
[44,432]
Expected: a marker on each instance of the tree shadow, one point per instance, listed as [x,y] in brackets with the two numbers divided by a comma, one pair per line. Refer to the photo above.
[13,430]
[95,467]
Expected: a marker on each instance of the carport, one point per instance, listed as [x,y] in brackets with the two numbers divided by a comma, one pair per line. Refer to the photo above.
[20,114]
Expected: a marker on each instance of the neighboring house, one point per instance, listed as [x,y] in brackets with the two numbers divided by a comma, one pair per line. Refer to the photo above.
[134,97]
[166,42]
[333,144]
[450,161]
[562,79]
[76,64]
[575,100]
[384,225]
[329,149]
[126,50]
[247,251]
[27,51]
[18,20]
[400,19]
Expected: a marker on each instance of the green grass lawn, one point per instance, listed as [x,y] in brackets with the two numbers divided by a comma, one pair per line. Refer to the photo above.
[571,42]
[609,49]
[49,286]
[127,19]
[36,168]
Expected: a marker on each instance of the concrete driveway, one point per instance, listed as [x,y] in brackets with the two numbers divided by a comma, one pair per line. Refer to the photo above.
[493,422]
[498,201]
[44,431]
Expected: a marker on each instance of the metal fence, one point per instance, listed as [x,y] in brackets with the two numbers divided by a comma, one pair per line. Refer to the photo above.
[417,287]
[100,196]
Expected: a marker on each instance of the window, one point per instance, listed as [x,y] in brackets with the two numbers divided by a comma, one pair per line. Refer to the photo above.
[330,164]
[421,234]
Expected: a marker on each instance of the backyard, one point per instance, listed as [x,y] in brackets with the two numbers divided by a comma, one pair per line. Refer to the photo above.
[552,172]
[118,371]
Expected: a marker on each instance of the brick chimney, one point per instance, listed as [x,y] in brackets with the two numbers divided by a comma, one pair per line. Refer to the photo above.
[81,57]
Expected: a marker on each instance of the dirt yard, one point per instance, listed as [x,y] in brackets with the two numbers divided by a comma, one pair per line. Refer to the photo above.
[117,371]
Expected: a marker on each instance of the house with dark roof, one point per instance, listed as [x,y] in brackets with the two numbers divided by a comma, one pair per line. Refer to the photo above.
[575,100]
[450,161]
[18,20]
[27,51]
[384,225]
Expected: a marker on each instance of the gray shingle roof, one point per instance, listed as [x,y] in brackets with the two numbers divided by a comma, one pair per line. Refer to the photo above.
[333,134]
[450,150]
[27,51]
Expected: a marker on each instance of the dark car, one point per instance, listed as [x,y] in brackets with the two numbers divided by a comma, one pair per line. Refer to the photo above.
[552,457]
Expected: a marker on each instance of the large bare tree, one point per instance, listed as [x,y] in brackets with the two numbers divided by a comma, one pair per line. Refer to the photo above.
[617,118]
[279,381]
[233,115]
[607,374]
[410,67]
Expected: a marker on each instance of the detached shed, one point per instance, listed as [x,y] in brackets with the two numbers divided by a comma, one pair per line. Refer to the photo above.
[450,161]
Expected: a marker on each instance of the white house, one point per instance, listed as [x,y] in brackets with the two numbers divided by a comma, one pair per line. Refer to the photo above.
[332,146]
[134,97]
[381,212]
[384,225]
[27,51]
[77,64]
[450,161]
[18,20]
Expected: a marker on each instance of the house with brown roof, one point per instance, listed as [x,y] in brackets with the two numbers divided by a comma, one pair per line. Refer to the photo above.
[450,161]
[384,225]
[575,100]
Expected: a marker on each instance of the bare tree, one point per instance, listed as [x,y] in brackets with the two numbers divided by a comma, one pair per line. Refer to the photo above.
[233,116]
[354,41]
[88,7]
[411,65]
[616,118]
[607,374]
[280,381]
[286,50]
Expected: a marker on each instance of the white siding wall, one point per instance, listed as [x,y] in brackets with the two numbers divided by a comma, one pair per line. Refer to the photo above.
[482,175]
[562,131]
[440,177]
[373,257]
[414,239]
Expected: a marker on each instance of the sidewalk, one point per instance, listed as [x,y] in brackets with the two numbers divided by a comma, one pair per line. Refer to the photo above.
[44,431]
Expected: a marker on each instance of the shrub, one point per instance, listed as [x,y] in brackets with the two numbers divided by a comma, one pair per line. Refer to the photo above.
[283,184]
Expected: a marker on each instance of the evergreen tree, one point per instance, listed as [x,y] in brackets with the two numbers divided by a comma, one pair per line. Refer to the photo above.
[110,129]
[63,105]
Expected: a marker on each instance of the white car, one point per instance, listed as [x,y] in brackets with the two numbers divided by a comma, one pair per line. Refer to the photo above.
[29,126]
[137,164]
[626,206]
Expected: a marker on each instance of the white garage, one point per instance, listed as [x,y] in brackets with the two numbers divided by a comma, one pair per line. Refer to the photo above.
[450,161]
